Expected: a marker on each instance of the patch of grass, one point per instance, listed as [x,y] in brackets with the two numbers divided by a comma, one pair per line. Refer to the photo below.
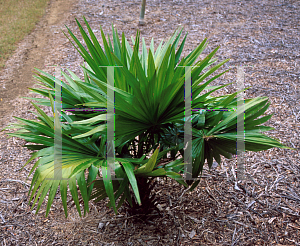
[17,18]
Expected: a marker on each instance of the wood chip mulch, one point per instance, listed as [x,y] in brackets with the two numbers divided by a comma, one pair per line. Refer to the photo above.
[264,209]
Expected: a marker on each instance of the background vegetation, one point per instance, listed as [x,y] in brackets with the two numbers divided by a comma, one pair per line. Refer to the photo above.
[17,19]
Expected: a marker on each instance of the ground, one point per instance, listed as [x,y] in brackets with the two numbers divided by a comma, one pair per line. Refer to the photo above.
[262,210]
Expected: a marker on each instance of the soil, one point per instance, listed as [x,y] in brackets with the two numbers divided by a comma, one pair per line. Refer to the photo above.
[263,209]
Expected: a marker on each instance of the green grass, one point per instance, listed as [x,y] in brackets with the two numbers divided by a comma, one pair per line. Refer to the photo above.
[17,19]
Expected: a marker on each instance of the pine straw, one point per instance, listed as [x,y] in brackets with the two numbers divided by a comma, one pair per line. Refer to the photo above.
[262,210]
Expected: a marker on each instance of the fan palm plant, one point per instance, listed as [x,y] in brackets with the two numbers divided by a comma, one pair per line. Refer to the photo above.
[148,122]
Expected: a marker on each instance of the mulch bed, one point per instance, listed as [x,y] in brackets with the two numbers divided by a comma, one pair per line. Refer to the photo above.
[264,209]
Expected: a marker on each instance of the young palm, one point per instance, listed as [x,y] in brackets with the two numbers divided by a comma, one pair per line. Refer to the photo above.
[149,122]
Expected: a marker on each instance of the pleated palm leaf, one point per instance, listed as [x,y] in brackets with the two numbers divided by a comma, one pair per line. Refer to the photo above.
[149,122]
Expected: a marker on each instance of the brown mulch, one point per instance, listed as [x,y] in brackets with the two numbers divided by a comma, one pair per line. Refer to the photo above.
[264,209]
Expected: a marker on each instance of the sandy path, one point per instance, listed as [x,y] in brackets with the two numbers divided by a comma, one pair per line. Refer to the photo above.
[31,53]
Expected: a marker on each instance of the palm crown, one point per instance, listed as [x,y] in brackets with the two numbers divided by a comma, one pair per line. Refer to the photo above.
[148,122]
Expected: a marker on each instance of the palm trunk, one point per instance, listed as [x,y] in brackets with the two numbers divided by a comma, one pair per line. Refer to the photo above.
[141,21]
[148,206]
